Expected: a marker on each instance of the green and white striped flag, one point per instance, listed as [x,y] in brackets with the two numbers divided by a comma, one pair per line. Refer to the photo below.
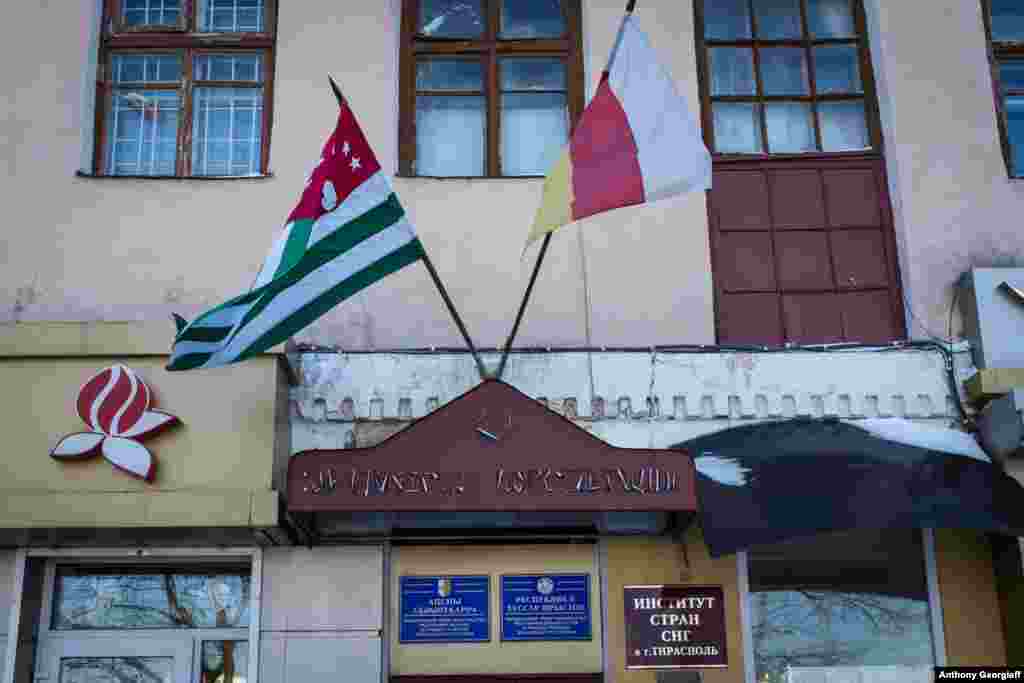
[347,232]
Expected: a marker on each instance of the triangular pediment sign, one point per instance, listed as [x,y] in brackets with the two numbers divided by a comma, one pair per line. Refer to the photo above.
[492,449]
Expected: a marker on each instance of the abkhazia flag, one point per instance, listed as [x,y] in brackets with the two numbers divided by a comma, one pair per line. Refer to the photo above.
[636,142]
[347,232]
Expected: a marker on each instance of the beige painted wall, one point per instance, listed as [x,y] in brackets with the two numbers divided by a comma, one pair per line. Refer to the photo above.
[953,204]
[87,249]
[215,469]
[640,561]
[125,249]
[970,603]
[496,657]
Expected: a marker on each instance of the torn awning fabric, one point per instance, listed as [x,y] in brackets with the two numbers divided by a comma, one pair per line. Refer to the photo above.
[774,481]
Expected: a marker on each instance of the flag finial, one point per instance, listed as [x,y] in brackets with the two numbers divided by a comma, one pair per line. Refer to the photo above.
[337,91]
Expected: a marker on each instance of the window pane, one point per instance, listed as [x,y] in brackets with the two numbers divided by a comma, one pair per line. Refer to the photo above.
[116,669]
[151,12]
[225,661]
[842,126]
[1011,75]
[732,71]
[142,133]
[155,600]
[226,131]
[241,67]
[778,19]
[837,69]
[789,127]
[532,74]
[784,71]
[451,19]
[449,74]
[537,19]
[726,20]
[231,16]
[450,135]
[534,129]
[141,68]
[830,19]
[827,606]
[1015,131]
[1007,20]
[737,127]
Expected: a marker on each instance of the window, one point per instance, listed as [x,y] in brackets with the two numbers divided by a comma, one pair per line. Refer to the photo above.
[838,606]
[1005,22]
[148,623]
[786,77]
[184,88]
[489,87]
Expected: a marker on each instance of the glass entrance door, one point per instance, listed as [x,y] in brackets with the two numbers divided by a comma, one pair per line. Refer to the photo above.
[116,659]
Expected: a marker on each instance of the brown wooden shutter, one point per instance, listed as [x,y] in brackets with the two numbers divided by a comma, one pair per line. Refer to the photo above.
[803,251]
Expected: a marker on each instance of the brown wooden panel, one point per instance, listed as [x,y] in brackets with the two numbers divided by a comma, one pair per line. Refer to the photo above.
[869,316]
[831,233]
[750,265]
[852,199]
[860,258]
[812,318]
[797,199]
[740,200]
[749,319]
[804,261]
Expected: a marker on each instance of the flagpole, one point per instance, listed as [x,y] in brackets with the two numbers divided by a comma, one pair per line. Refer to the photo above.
[630,6]
[522,306]
[455,315]
[434,276]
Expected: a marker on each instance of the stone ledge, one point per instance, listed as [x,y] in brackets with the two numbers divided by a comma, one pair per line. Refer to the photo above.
[157,509]
[992,382]
[94,338]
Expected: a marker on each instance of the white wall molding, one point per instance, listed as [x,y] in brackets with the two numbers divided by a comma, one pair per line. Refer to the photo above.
[641,399]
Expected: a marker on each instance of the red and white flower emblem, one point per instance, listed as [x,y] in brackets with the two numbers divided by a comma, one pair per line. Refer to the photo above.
[115,404]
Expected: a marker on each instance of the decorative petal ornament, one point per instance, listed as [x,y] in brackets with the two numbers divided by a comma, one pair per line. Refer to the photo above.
[114,403]
[77,446]
[129,456]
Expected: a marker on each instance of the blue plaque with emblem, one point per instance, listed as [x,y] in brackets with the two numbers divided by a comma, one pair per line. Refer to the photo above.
[545,607]
[444,609]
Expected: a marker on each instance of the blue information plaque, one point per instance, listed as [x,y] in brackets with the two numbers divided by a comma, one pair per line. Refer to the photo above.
[444,609]
[545,607]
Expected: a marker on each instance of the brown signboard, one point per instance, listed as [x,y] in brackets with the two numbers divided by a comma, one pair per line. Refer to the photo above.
[491,449]
[675,627]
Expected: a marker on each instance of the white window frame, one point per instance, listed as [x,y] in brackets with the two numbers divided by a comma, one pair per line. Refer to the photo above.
[934,606]
[128,557]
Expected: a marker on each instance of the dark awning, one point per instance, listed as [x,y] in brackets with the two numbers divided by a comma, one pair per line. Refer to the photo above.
[773,481]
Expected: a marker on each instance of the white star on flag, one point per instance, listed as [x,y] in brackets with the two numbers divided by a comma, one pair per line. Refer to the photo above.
[355,163]
[345,148]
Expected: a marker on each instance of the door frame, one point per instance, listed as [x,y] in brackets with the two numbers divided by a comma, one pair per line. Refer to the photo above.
[127,556]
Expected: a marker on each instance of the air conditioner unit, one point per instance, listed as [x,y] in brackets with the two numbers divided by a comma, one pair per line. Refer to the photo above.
[993,313]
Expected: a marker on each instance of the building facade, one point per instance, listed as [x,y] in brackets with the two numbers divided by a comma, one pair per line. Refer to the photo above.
[154,149]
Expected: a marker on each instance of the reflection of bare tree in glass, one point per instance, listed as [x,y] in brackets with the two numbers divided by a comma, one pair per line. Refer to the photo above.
[116,670]
[805,627]
[157,600]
